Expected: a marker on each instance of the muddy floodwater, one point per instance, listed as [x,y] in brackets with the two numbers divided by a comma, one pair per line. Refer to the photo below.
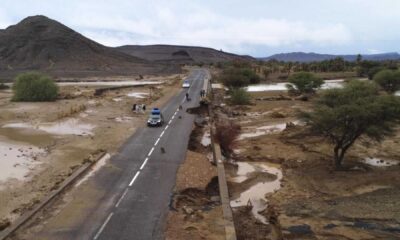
[66,127]
[263,130]
[329,84]
[377,162]
[206,139]
[255,194]
[137,95]
[17,159]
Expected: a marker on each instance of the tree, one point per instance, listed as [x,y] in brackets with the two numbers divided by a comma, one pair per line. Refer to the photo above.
[303,82]
[237,77]
[34,87]
[344,115]
[389,80]
[358,59]
[239,96]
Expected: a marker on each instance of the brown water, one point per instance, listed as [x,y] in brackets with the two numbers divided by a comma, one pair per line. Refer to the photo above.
[255,195]
[17,159]
[67,127]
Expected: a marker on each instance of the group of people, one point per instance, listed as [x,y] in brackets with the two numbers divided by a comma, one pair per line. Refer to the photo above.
[139,108]
[202,93]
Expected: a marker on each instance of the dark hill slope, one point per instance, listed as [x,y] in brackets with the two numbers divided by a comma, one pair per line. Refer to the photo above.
[316,57]
[180,54]
[39,43]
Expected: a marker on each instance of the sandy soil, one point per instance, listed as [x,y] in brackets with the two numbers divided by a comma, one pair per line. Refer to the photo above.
[196,211]
[314,201]
[69,131]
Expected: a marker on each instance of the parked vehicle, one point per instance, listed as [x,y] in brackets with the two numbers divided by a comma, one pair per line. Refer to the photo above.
[156,118]
[186,84]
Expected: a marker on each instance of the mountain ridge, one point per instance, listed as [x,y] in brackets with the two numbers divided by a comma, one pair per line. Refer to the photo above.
[314,57]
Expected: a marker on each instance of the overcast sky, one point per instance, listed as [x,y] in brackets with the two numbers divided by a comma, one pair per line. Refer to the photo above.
[255,27]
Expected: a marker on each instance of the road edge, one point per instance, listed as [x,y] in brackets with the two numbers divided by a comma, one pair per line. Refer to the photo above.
[230,231]
[66,183]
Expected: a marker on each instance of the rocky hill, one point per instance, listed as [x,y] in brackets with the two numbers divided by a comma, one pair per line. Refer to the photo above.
[315,57]
[40,43]
[180,54]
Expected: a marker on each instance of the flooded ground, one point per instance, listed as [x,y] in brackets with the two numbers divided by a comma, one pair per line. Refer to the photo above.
[254,185]
[41,144]
[263,130]
[314,201]
[328,84]
[17,159]
[70,126]
[138,94]
[377,162]
[206,139]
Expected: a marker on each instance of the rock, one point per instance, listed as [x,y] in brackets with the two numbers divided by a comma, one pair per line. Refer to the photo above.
[188,210]
[277,115]
[4,223]
[303,229]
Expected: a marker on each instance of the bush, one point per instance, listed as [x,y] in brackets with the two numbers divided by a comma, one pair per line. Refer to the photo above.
[389,80]
[303,82]
[34,87]
[239,96]
[226,135]
[234,77]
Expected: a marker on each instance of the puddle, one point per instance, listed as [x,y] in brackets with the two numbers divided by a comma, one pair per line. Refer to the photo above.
[137,94]
[397,93]
[83,115]
[26,135]
[269,129]
[255,194]
[206,139]
[67,127]
[117,99]
[92,102]
[123,119]
[217,86]
[329,84]
[377,162]
[17,159]
[96,167]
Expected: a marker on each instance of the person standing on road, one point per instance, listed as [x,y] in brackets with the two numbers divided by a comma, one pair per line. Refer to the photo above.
[187,96]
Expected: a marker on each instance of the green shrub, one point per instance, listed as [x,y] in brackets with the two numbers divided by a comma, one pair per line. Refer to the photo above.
[239,96]
[34,87]
[389,80]
[303,82]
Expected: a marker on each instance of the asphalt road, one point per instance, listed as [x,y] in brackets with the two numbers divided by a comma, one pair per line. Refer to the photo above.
[138,185]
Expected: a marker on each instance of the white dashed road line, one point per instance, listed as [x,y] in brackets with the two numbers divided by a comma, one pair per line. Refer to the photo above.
[121,198]
[103,226]
[134,178]
[151,151]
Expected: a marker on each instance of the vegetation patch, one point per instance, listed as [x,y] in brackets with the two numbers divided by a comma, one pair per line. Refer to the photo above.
[303,83]
[34,87]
